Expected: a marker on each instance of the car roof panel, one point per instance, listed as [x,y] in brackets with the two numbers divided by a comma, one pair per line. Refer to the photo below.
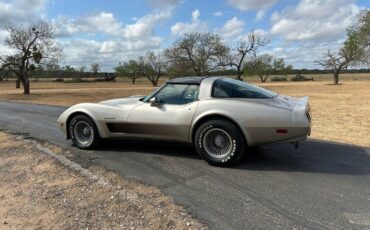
[186,80]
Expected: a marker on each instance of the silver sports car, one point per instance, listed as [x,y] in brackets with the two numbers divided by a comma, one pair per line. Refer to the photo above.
[219,116]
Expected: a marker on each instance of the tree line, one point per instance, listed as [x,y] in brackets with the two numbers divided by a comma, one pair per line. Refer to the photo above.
[195,54]
[204,54]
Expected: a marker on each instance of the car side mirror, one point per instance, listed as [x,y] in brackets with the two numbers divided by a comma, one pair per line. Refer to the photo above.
[154,101]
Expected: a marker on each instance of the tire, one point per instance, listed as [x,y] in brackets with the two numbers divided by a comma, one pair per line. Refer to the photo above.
[219,142]
[83,132]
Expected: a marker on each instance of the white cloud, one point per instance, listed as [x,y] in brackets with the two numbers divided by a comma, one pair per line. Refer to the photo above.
[18,12]
[83,52]
[260,15]
[195,15]
[195,25]
[264,35]
[246,5]
[160,4]
[144,26]
[123,41]
[308,29]
[314,20]
[301,55]
[3,35]
[104,22]
[231,29]
[101,22]
[21,11]
[217,14]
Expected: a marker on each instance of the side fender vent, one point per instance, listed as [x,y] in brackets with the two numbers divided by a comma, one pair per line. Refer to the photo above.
[117,127]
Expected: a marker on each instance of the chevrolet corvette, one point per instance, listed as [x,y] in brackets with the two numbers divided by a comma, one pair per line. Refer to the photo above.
[220,116]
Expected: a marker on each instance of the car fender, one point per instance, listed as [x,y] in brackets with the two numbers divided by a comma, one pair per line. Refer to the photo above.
[85,108]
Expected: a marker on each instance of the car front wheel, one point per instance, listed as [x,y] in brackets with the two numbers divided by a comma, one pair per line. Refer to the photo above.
[219,142]
[83,132]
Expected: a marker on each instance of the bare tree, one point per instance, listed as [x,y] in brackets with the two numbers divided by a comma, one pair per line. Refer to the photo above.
[244,48]
[155,65]
[95,68]
[31,45]
[336,63]
[200,52]
[355,49]
[80,76]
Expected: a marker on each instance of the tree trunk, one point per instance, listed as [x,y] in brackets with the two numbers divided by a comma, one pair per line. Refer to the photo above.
[153,81]
[240,73]
[133,80]
[239,77]
[336,78]
[26,85]
[18,83]
[156,82]
[263,79]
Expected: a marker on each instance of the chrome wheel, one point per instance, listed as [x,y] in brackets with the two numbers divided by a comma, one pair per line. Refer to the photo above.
[83,133]
[217,143]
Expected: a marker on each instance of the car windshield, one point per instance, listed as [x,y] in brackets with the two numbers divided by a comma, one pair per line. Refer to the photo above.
[146,99]
[230,88]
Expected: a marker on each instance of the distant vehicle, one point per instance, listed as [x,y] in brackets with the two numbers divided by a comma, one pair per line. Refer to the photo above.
[59,79]
[279,79]
[219,116]
[109,77]
[299,77]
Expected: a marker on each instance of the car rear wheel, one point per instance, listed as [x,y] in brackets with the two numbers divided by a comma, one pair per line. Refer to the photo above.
[219,142]
[83,132]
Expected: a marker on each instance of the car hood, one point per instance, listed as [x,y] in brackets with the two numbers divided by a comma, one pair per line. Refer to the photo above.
[122,101]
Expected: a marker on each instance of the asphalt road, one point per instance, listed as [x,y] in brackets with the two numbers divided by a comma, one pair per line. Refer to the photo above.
[320,185]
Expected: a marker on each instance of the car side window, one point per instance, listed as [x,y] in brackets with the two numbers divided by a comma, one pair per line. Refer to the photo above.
[178,94]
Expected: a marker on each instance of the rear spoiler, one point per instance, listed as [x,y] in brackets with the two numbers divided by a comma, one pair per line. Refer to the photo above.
[302,103]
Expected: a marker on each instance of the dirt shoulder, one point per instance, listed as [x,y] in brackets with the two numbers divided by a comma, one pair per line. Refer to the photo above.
[39,191]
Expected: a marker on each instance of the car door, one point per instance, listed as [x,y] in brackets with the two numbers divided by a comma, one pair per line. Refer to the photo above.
[169,117]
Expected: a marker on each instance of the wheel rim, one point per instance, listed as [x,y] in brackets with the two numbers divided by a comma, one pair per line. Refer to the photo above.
[217,143]
[83,133]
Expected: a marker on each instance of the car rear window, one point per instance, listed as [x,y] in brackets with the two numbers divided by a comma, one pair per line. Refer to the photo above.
[230,88]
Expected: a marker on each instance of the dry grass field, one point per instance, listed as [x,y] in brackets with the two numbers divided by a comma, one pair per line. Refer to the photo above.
[340,113]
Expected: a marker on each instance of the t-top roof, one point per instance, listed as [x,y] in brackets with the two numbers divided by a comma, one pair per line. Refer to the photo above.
[186,80]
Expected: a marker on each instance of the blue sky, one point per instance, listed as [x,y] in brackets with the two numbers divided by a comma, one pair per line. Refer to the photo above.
[109,32]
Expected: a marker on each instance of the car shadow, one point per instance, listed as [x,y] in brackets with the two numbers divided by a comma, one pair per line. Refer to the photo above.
[313,156]
[165,148]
